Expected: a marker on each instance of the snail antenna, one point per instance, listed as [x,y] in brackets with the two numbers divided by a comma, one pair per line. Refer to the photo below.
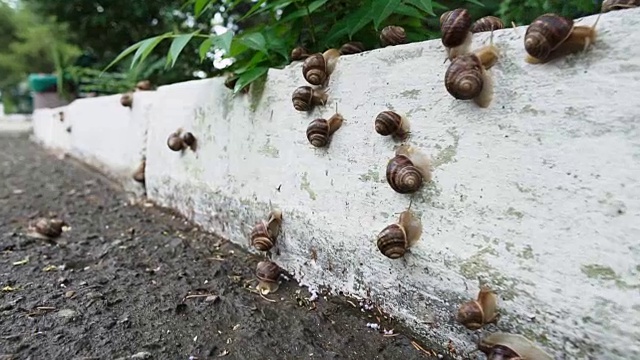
[515,28]
[410,203]
[336,107]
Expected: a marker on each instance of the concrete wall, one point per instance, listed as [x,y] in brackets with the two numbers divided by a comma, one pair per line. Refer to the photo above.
[536,195]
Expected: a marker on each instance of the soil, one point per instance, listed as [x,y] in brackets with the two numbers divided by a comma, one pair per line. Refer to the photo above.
[120,282]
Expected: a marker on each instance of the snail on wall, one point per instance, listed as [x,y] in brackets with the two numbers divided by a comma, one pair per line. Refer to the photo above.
[394,240]
[352,47]
[393,35]
[476,313]
[268,274]
[391,123]
[299,53]
[126,99]
[320,131]
[45,228]
[230,83]
[305,98]
[613,5]
[265,233]
[143,85]
[408,170]
[317,68]
[487,23]
[179,140]
[138,175]
[467,78]
[506,346]
[550,36]
[455,27]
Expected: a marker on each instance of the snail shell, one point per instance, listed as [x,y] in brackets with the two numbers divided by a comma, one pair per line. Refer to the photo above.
[408,170]
[394,240]
[487,23]
[502,345]
[265,233]
[299,53]
[126,99]
[138,175]
[175,142]
[305,98]
[267,273]
[477,313]
[612,5]
[50,228]
[189,140]
[143,85]
[319,131]
[545,34]
[317,68]
[391,123]
[455,26]
[230,81]
[393,35]
[464,77]
[352,47]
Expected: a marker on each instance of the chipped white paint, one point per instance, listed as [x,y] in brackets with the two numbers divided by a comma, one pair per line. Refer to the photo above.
[536,195]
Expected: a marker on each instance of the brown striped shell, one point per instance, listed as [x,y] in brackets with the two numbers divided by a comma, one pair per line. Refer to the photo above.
[455,26]
[51,228]
[320,130]
[126,99]
[268,271]
[403,176]
[545,34]
[188,139]
[175,142]
[463,78]
[352,47]
[314,69]
[470,315]
[612,5]
[261,239]
[138,175]
[503,346]
[388,123]
[392,241]
[299,53]
[487,23]
[393,35]
[304,98]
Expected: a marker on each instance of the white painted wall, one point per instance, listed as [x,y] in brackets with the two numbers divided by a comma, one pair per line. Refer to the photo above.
[50,131]
[536,195]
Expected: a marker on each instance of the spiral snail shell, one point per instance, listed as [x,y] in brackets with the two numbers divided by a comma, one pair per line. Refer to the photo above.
[408,170]
[466,77]
[352,47]
[391,123]
[393,35]
[45,228]
[394,240]
[143,85]
[126,99]
[319,131]
[506,346]
[175,142]
[305,98]
[265,233]
[299,53]
[487,23]
[267,273]
[455,26]
[612,5]
[317,68]
[138,175]
[476,313]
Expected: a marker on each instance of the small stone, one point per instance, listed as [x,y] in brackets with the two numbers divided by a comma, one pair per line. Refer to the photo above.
[211,298]
[141,355]
[67,313]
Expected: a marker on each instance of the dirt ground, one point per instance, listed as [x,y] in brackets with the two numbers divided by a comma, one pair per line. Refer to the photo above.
[120,282]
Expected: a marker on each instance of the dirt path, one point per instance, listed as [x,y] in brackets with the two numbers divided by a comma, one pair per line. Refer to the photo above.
[117,284]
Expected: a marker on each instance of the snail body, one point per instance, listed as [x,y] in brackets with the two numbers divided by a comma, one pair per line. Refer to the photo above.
[305,98]
[501,346]
[126,99]
[265,233]
[612,5]
[487,23]
[317,68]
[319,131]
[476,313]
[138,175]
[393,35]
[467,78]
[299,53]
[408,170]
[268,274]
[394,240]
[455,26]
[550,36]
[352,47]
[391,123]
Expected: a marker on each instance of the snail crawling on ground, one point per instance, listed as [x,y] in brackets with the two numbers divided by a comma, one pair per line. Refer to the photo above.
[178,141]
[45,228]
[391,123]
[475,314]
[550,36]
[394,240]
[455,26]
[467,78]
[317,68]
[299,53]
[138,175]
[268,274]
[612,5]
[126,99]
[408,170]
[319,131]
[487,23]
[393,35]
[352,47]
[305,98]
[506,346]
[265,233]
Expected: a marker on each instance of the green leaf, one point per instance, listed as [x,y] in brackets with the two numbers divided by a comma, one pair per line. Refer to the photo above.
[303,12]
[382,9]
[177,45]
[249,76]
[205,46]
[361,22]
[424,5]
[199,6]
[124,54]
[476,2]
[255,41]
[408,10]
[223,42]
[145,49]
[258,8]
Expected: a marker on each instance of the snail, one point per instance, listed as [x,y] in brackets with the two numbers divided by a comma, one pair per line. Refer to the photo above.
[352,47]
[305,98]
[265,233]
[143,85]
[268,274]
[138,175]
[299,53]
[189,140]
[467,77]
[319,131]
[455,26]
[408,170]
[44,228]
[475,314]
[178,140]
[126,99]
[550,36]
[317,68]
[506,346]
[487,23]
[391,123]
[230,83]
[612,5]
[394,240]
[393,35]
